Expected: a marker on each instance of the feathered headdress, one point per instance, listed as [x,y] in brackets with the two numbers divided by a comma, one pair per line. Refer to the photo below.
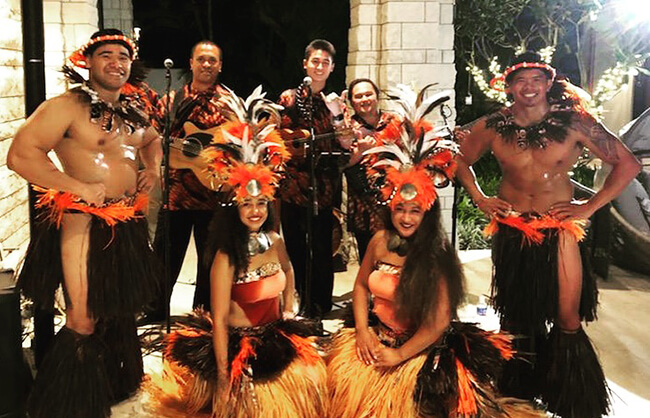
[412,159]
[78,57]
[526,61]
[248,152]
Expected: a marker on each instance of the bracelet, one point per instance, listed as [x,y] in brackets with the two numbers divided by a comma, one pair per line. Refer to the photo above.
[478,201]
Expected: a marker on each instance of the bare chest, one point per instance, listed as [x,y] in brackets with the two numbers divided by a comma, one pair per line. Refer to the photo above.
[120,142]
[554,156]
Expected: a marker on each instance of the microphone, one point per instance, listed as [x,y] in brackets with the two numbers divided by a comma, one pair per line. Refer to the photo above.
[168,63]
[306,81]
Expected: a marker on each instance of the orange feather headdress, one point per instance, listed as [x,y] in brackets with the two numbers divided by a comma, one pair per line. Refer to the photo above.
[78,57]
[525,61]
[248,154]
[412,159]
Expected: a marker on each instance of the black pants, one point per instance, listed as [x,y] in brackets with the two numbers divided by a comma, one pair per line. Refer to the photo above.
[181,224]
[294,227]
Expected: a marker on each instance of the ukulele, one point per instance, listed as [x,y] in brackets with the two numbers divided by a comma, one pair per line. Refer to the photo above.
[297,141]
[184,152]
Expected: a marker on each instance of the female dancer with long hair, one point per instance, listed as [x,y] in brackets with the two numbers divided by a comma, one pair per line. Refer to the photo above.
[410,357]
[249,358]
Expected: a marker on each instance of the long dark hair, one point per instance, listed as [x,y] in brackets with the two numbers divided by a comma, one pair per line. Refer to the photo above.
[429,258]
[228,234]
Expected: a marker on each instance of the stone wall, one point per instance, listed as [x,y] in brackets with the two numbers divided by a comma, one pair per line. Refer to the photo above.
[118,14]
[14,228]
[408,42]
[67,24]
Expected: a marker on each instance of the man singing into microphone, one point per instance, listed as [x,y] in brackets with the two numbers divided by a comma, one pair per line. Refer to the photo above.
[294,192]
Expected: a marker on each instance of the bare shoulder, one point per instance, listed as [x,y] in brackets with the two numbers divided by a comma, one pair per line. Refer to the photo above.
[475,139]
[592,134]
[584,123]
[221,261]
[378,241]
[380,236]
[51,120]
[63,106]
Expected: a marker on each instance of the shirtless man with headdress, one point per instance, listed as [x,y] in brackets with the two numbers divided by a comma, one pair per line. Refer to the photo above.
[91,235]
[539,275]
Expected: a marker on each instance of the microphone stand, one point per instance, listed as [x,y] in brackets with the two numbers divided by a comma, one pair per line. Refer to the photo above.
[165,198]
[312,210]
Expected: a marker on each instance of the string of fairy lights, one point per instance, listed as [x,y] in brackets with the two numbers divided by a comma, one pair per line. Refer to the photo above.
[611,82]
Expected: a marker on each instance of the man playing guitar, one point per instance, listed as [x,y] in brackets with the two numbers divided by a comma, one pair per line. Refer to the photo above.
[191,203]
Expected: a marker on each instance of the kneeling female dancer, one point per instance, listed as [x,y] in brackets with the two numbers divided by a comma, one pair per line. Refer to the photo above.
[249,358]
[412,358]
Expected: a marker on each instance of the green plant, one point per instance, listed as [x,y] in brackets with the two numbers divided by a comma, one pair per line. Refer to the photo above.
[489,33]
[471,221]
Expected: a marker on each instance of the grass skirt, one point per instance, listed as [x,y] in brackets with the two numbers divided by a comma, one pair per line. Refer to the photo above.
[122,268]
[574,384]
[83,375]
[275,371]
[525,280]
[451,379]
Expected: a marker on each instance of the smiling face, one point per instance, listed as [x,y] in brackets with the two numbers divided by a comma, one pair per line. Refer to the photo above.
[319,65]
[205,65]
[364,99]
[406,218]
[253,212]
[529,87]
[109,66]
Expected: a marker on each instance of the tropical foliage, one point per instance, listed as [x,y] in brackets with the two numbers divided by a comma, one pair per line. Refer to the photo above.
[489,33]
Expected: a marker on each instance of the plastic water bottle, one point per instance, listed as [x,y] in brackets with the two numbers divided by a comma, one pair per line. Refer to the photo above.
[481,308]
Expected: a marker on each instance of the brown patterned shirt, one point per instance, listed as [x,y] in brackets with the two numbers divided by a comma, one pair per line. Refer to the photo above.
[364,214]
[202,109]
[295,184]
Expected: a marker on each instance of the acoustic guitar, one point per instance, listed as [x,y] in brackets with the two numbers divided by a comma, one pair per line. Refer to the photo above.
[184,152]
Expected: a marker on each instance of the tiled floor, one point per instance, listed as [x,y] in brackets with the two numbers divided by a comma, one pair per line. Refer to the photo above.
[621,334]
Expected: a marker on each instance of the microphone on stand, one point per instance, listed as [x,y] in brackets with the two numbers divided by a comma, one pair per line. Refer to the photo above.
[312,210]
[304,89]
[306,86]
[168,63]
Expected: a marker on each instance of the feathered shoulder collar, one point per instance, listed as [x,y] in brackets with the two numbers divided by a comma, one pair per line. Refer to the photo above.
[554,127]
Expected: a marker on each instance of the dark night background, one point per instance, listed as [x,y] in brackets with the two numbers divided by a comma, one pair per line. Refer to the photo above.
[263,41]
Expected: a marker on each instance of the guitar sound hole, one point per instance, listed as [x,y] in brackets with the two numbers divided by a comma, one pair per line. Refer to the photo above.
[192,147]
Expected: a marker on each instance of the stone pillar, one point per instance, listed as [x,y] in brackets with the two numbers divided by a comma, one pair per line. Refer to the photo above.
[118,14]
[14,228]
[408,42]
[68,24]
